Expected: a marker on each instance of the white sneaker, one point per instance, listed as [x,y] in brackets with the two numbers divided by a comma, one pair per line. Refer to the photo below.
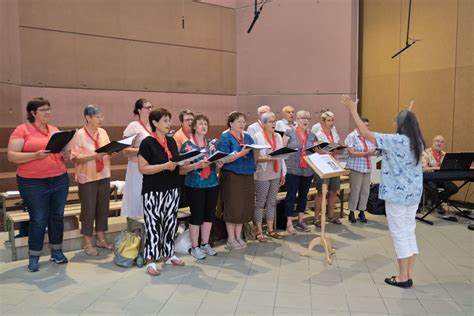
[208,250]
[197,253]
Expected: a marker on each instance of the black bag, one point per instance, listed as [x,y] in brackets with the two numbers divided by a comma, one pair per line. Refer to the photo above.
[375,205]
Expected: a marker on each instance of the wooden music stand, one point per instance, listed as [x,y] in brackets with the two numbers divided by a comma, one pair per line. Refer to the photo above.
[326,167]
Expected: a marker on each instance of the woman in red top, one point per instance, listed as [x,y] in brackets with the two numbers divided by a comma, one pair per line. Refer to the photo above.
[42,180]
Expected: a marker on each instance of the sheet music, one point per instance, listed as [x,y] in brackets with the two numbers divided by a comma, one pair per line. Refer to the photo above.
[324,163]
[128,140]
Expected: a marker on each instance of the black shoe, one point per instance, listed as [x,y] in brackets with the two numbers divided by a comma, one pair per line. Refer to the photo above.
[352,218]
[362,218]
[410,282]
[393,281]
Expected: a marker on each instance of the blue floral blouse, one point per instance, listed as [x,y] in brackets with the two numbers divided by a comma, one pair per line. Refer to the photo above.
[401,179]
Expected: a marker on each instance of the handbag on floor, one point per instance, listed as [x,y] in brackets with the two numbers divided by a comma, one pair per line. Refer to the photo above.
[126,247]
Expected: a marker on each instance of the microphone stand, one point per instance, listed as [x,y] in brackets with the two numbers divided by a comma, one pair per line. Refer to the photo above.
[407,43]
[256,15]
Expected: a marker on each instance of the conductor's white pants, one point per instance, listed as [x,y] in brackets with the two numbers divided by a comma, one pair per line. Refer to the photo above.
[402,223]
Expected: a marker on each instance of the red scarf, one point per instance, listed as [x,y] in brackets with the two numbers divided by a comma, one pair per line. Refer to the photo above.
[206,171]
[330,137]
[99,163]
[241,141]
[273,144]
[144,126]
[164,144]
[366,149]
[303,163]
[437,157]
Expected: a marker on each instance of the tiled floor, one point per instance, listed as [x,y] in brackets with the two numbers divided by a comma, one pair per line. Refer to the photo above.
[264,279]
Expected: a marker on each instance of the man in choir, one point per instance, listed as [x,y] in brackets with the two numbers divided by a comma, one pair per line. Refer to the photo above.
[184,133]
[432,160]
[288,119]
[257,127]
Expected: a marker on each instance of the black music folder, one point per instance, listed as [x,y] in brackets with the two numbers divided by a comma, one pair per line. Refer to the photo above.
[282,133]
[116,145]
[218,155]
[188,156]
[59,140]
[312,149]
[457,161]
[282,151]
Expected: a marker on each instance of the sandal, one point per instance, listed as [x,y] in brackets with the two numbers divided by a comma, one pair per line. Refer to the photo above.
[175,261]
[104,244]
[393,281]
[335,220]
[274,235]
[90,250]
[260,237]
[152,269]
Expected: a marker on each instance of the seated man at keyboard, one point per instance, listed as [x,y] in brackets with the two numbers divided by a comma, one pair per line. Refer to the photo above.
[431,161]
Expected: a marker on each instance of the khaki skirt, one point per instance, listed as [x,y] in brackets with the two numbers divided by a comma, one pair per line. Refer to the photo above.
[237,196]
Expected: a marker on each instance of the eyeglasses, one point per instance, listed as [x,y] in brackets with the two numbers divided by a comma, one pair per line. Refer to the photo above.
[43,110]
[148,107]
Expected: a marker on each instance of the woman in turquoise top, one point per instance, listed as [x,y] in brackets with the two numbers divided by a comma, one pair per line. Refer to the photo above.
[202,188]
[236,178]
[401,185]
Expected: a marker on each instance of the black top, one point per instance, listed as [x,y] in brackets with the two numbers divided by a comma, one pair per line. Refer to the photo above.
[154,154]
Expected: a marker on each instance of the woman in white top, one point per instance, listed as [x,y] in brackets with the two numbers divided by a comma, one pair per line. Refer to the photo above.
[269,176]
[327,135]
[132,195]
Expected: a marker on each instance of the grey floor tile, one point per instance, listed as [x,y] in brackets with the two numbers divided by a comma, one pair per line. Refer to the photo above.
[366,305]
[439,307]
[404,307]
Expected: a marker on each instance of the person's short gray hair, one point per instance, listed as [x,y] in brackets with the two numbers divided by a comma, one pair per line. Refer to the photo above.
[264,109]
[267,116]
[92,110]
[303,114]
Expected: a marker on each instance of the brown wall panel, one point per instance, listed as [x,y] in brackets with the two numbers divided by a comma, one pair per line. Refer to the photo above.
[380,80]
[427,69]
[11,109]
[48,58]
[82,61]
[144,20]
[463,129]
[10,48]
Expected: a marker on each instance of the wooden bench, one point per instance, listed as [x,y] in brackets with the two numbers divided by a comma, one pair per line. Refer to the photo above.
[14,217]
[9,199]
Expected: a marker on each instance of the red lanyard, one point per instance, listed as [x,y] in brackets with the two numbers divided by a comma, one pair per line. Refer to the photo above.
[273,144]
[144,126]
[164,144]
[240,141]
[99,163]
[366,149]
[330,137]
[206,171]
[437,157]
[303,163]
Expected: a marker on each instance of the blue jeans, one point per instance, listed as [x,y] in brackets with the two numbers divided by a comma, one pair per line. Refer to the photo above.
[45,200]
[296,185]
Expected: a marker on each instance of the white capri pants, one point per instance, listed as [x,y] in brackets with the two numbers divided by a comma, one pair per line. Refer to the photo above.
[402,223]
